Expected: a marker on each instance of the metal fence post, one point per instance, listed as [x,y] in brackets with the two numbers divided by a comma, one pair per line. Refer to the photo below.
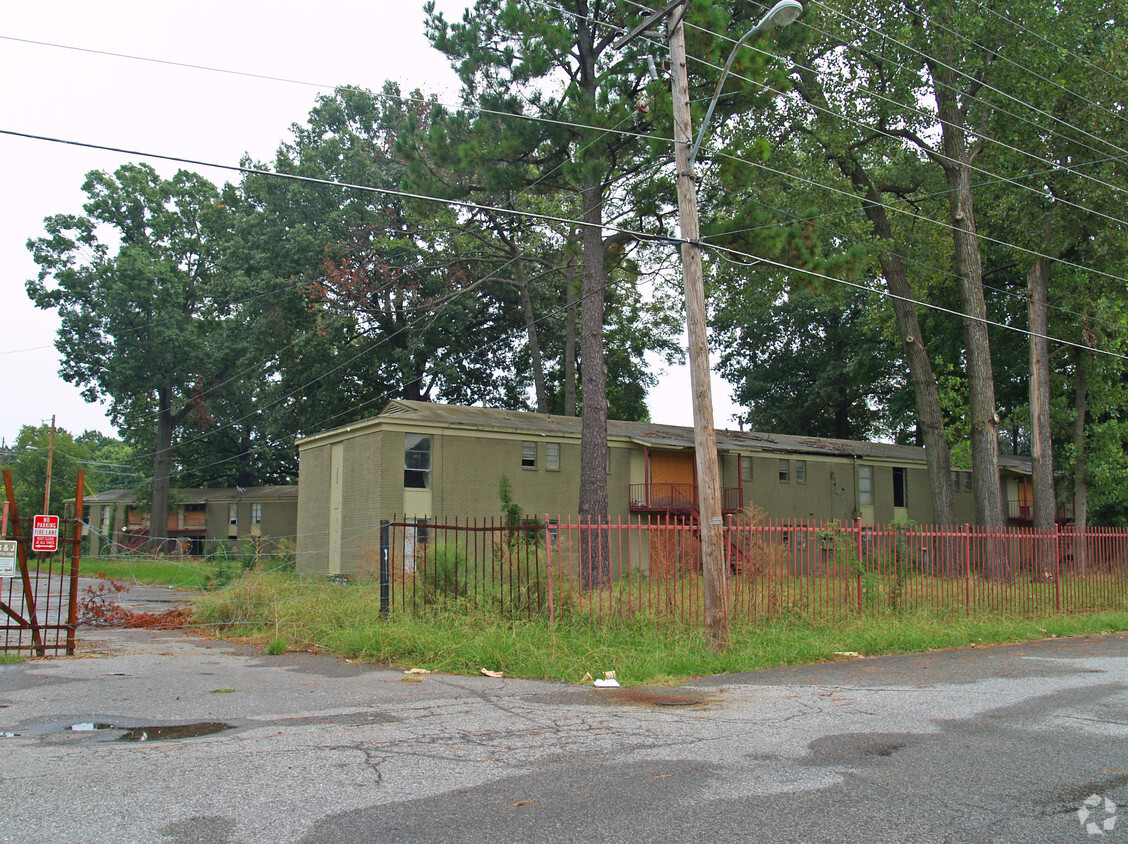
[967,569]
[1057,567]
[861,565]
[385,567]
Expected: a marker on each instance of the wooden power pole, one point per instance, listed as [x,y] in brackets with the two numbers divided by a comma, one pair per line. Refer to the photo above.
[710,519]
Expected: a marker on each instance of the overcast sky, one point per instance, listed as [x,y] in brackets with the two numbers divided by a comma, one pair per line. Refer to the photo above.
[178,111]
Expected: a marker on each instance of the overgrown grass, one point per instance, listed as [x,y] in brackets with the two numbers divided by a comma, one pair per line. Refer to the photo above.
[10,659]
[461,637]
[182,573]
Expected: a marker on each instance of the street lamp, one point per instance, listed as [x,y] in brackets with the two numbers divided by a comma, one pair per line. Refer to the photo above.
[784,13]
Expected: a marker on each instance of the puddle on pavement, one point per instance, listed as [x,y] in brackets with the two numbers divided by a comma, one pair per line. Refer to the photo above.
[158,733]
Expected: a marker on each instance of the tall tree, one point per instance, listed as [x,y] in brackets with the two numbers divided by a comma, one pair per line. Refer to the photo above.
[142,322]
[509,53]
[807,363]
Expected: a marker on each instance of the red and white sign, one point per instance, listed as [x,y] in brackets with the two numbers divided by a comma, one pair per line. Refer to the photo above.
[45,534]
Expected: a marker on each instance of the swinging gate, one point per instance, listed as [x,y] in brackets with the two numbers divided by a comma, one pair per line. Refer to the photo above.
[39,603]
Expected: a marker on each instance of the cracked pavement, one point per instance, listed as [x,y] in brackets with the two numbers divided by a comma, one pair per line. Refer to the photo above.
[987,744]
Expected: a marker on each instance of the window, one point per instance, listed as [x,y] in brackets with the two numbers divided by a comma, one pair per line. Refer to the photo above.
[417,461]
[865,486]
[528,455]
[256,514]
[746,468]
[552,457]
[967,481]
[899,487]
[784,471]
[800,471]
[232,514]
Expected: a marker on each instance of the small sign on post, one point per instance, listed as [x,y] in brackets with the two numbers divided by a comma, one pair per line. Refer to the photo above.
[45,534]
[7,558]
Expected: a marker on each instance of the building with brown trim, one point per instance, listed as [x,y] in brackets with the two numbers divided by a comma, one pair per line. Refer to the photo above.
[425,461]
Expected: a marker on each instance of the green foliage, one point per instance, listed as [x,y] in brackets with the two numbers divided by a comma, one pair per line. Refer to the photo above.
[106,461]
[444,574]
[276,646]
[225,566]
[510,510]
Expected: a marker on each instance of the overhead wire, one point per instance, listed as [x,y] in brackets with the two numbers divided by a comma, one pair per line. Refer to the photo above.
[468,205]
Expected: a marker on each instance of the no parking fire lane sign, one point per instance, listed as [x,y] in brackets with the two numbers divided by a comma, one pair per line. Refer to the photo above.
[45,534]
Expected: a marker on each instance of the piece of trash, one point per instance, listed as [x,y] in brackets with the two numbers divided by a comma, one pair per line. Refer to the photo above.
[607,684]
[846,653]
[417,671]
[587,678]
[608,675]
[415,679]
[494,674]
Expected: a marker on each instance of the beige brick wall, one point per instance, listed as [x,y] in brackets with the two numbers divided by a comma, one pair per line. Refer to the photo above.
[313,510]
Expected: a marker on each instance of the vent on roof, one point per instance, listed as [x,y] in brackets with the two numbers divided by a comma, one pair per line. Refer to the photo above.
[394,409]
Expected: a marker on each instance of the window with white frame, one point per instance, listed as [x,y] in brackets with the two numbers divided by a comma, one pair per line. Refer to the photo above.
[745,468]
[865,486]
[784,471]
[528,455]
[256,514]
[552,457]
[800,471]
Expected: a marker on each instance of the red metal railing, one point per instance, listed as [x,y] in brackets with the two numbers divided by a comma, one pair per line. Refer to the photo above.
[679,499]
[819,571]
[1018,511]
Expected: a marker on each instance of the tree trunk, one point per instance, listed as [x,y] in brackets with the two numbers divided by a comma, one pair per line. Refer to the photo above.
[530,329]
[929,418]
[570,340]
[1045,503]
[593,446]
[162,471]
[956,163]
[1080,465]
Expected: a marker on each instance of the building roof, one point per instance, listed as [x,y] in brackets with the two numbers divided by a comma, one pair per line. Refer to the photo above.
[645,433]
[202,496]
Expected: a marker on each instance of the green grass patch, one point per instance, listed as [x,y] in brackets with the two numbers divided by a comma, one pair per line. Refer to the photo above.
[10,659]
[182,573]
[460,636]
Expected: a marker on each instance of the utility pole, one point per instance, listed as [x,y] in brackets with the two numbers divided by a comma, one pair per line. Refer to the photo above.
[50,457]
[704,434]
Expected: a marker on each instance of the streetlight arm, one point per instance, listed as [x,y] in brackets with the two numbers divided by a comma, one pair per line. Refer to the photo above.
[781,14]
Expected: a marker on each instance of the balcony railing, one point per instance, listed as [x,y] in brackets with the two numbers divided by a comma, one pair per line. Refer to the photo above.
[1019,511]
[679,499]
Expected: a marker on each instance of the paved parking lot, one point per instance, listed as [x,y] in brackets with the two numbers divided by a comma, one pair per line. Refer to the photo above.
[185,739]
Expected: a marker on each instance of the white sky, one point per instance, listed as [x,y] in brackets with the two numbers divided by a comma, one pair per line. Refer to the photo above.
[181,112]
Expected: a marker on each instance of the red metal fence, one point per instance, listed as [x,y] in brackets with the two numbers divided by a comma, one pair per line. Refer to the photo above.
[817,571]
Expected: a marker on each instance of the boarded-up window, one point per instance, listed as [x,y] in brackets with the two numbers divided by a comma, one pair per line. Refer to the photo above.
[195,515]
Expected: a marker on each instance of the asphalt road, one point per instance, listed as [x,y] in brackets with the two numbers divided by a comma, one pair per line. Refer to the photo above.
[990,744]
